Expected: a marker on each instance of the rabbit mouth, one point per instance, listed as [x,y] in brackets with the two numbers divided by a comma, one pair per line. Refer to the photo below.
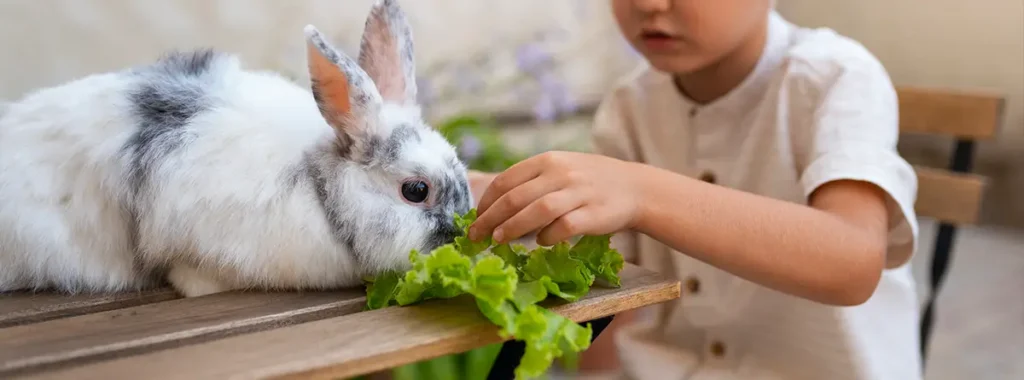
[444,234]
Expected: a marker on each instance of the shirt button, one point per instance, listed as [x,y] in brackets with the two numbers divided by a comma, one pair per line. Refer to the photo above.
[708,177]
[693,285]
[717,349]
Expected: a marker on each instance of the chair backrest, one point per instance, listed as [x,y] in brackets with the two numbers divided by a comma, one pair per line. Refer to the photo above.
[951,195]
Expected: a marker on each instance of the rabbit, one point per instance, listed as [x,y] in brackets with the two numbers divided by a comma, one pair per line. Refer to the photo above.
[194,172]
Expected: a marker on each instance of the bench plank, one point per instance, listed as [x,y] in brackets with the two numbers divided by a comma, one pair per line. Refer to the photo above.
[134,330]
[361,343]
[949,197]
[19,308]
[970,115]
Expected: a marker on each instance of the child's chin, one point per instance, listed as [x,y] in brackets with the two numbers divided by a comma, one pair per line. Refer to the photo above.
[678,63]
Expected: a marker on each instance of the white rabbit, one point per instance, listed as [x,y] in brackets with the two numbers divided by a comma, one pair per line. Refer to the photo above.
[214,178]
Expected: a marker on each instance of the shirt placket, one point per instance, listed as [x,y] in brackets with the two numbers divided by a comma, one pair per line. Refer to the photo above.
[698,287]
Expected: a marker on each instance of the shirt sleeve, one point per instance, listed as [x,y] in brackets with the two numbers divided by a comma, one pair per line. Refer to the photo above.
[611,136]
[852,135]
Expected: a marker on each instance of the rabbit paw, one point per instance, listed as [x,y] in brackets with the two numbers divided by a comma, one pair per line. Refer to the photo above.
[190,282]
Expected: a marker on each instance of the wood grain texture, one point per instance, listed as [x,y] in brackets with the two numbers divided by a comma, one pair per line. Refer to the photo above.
[360,343]
[961,114]
[947,196]
[104,335]
[18,308]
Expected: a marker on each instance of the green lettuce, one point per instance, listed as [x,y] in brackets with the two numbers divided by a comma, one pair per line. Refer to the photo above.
[508,282]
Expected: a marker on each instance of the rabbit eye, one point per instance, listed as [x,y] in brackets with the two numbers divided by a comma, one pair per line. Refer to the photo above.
[415,191]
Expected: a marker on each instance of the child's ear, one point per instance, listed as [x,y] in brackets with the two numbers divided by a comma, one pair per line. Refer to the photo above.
[386,53]
[344,93]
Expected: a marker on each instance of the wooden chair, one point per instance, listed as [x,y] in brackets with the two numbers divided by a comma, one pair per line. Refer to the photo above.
[321,335]
[953,195]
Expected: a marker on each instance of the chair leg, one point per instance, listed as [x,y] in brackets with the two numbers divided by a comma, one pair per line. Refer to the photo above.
[961,162]
[940,266]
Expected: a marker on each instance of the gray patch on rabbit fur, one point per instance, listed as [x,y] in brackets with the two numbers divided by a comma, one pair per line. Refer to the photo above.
[170,93]
[386,151]
[460,196]
[321,179]
[453,194]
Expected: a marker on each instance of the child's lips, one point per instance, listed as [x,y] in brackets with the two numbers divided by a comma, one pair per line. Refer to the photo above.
[659,41]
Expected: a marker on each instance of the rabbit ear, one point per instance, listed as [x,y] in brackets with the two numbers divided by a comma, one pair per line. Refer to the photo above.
[386,53]
[345,94]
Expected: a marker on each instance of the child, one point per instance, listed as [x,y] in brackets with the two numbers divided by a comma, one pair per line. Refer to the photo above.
[755,160]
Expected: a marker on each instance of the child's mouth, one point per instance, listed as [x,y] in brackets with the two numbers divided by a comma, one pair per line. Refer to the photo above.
[658,40]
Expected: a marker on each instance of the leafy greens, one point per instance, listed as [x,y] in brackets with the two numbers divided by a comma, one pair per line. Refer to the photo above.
[508,282]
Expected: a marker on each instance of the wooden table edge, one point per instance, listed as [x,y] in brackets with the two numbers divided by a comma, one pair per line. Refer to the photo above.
[655,293]
[647,288]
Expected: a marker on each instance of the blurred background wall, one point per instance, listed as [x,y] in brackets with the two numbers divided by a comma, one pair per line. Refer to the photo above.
[941,43]
[46,42]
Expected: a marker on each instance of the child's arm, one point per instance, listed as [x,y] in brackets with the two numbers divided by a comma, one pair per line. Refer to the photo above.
[831,252]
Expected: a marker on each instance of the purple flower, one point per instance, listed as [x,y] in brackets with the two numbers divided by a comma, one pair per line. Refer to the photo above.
[544,110]
[469,148]
[557,93]
[532,58]
[567,103]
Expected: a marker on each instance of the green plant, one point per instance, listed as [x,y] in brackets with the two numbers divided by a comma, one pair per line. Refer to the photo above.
[479,143]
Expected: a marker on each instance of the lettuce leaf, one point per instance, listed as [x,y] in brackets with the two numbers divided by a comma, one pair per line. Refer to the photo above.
[462,243]
[597,254]
[508,283]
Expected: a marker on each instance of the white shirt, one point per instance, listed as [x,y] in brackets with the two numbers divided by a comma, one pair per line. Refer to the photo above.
[817,108]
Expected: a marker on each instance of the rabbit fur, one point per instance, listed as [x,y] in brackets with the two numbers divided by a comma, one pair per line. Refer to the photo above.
[197,172]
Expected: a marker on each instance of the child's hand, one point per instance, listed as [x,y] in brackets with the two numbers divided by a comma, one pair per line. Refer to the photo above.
[564,193]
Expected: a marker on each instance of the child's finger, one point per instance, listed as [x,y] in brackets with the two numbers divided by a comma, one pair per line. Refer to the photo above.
[537,215]
[510,204]
[573,223]
[511,178]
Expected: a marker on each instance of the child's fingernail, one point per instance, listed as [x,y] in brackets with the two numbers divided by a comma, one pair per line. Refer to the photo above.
[473,234]
[498,235]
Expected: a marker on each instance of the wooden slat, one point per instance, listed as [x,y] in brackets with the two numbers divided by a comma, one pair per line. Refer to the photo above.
[360,343]
[948,196]
[145,328]
[27,307]
[952,113]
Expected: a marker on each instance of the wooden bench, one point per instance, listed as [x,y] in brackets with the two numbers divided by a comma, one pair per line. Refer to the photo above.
[953,195]
[328,335]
